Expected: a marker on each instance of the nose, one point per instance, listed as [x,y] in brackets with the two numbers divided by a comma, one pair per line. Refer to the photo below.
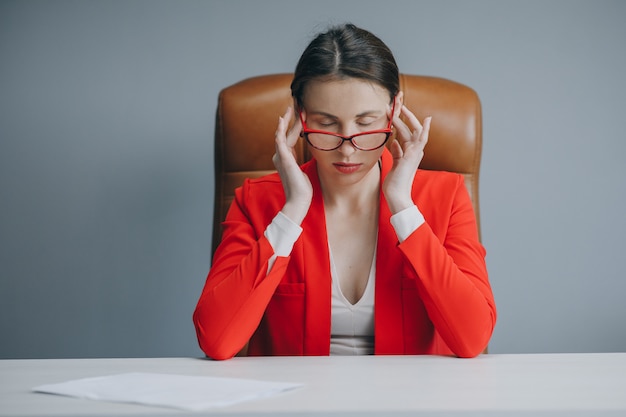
[347,148]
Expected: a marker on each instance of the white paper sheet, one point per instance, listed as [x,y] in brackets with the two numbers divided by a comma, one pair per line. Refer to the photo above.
[193,393]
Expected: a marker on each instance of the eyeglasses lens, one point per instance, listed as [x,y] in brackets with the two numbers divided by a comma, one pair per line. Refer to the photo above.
[365,142]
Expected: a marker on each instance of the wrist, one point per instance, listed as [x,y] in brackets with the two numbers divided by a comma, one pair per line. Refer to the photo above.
[396,205]
[296,212]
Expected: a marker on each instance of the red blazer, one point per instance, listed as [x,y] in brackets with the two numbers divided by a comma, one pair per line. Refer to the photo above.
[432,293]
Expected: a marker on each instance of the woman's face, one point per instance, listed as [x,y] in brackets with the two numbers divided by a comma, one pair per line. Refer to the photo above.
[345,107]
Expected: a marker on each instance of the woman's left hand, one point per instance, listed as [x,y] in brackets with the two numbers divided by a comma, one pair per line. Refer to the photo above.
[407,151]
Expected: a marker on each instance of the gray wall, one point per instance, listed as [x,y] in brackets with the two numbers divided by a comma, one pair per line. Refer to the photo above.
[106,184]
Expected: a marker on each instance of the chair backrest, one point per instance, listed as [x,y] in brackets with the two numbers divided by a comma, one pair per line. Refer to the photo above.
[247,117]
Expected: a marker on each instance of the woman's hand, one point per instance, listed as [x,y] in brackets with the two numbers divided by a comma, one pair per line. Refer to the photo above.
[297,186]
[407,151]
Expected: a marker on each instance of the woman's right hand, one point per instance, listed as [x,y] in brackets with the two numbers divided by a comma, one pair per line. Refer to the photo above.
[297,186]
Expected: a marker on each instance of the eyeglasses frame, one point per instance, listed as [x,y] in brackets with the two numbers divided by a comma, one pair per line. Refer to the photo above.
[388,130]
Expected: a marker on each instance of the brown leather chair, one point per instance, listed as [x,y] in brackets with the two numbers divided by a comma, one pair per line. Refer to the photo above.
[247,117]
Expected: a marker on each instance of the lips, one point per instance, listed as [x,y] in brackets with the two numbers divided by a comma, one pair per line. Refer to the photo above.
[346,168]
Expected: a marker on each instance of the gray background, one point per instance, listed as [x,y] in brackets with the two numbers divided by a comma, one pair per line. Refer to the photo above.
[106,174]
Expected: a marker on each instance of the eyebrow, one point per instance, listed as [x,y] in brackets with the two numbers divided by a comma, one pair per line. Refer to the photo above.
[362,114]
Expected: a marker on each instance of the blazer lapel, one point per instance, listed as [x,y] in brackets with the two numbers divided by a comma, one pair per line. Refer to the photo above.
[317,272]
[387,301]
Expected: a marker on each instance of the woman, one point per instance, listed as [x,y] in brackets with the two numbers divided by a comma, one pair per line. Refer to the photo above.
[356,251]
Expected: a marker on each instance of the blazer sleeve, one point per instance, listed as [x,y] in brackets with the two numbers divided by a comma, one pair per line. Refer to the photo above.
[451,274]
[238,287]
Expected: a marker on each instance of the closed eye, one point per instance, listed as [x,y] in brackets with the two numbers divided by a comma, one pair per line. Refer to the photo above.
[327,124]
[367,121]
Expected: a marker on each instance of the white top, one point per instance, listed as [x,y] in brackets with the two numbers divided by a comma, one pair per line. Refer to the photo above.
[352,325]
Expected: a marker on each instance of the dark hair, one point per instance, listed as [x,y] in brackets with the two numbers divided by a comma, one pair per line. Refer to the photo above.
[346,51]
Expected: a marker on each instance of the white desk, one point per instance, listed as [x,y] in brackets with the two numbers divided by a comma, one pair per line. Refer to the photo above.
[490,385]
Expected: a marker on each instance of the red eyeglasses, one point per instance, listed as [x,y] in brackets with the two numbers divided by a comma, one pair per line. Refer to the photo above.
[329,141]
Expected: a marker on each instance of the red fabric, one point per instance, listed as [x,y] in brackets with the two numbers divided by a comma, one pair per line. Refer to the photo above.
[432,293]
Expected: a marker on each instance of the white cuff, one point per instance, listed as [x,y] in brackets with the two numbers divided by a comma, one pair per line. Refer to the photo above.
[282,233]
[406,222]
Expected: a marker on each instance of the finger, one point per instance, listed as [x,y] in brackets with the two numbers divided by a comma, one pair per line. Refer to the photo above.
[285,140]
[283,154]
[412,119]
[423,137]
[283,124]
[396,150]
[280,139]
[290,137]
[403,131]
[294,133]
[398,104]
[280,135]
